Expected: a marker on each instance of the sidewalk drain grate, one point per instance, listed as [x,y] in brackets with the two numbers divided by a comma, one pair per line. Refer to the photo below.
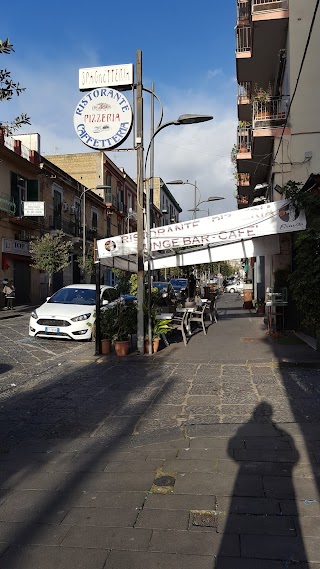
[204,519]
[164,481]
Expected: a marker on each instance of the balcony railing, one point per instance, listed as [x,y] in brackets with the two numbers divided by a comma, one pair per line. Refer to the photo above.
[244,139]
[269,5]
[243,39]
[243,10]
[7,205]
[244,92]
[242,200]
[243,179]
[270,113]
[121,208]
[110,200]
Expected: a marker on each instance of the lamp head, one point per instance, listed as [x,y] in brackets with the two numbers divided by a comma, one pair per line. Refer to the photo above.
[192,119]
[214,198]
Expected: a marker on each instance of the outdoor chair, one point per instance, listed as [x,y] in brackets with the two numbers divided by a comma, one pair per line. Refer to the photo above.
[211,309]
[198,316]
[180,323]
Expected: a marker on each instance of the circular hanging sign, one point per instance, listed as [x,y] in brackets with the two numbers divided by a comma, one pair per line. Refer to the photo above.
[103,118]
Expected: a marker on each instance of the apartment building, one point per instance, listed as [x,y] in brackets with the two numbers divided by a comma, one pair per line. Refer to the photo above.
[27,176]
[278,136]
[165,202]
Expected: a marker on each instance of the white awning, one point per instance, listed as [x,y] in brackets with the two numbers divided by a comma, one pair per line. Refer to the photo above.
[260,246]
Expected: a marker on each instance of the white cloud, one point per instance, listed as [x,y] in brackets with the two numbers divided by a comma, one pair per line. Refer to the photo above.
[199,152]
[212,73]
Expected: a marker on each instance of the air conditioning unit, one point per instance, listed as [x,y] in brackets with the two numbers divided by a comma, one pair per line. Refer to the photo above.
[65,207]
[73,210]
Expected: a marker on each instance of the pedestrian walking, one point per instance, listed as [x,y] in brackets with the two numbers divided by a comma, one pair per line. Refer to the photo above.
[191,285]
[9,292]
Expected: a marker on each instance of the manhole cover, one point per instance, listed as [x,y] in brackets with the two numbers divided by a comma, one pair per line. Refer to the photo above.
[204,519]
[164,481]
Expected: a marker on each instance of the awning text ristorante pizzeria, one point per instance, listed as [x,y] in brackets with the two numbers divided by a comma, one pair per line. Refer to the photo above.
[267,219]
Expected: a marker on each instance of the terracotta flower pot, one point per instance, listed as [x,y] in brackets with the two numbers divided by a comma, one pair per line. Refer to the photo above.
[155,345]
[121,347]
[105,346]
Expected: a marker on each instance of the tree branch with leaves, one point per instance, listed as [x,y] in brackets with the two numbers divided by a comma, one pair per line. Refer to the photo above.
[8,88]
[50,254]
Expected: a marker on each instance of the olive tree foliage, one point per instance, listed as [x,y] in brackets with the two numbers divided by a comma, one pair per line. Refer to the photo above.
[304,281]
[87,266]
[8,88]
[50,254]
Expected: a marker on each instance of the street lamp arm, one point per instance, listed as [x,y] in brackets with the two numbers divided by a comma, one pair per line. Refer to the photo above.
[158,129]
[161,106]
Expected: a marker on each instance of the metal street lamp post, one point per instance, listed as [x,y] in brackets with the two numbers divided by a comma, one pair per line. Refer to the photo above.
[195,208]
[210,199]
[183,119]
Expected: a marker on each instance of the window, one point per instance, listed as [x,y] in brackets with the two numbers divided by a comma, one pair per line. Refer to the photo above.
[108,227]
[94,219]
[129,201]
[108,196]
[23,190]
[57,207]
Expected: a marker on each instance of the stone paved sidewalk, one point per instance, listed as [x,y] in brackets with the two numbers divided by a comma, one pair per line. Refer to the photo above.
[170,461]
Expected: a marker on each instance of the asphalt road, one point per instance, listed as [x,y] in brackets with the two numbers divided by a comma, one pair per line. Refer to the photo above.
[24,359]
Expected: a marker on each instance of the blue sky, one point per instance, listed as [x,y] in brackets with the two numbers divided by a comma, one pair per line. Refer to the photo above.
[188,52]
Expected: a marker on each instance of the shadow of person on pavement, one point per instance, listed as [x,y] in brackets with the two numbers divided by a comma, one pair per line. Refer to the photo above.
[262,508]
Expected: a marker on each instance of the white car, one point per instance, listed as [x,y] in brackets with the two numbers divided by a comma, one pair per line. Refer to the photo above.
[70,312]
[234,287]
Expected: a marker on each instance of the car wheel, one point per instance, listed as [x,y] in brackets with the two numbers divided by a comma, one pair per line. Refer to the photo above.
[232,290]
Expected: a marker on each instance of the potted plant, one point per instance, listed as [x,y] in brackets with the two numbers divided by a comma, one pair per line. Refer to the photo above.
[107,329]
[159,327]
[125,324]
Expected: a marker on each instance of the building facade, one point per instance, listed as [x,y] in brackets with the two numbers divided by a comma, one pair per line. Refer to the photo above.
[27,176]
[165,202]
[278,135]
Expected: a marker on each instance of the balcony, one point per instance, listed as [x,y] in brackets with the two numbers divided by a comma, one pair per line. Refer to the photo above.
[243,41]
[270,113]
[244,142]
[243,200]
[7,206]
[244,92]
[243,179]
[111,201]
[121,208]
[91,233]
[264,9]
[243,10]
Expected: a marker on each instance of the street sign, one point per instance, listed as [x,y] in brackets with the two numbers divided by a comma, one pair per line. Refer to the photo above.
[34,208]
[106,76]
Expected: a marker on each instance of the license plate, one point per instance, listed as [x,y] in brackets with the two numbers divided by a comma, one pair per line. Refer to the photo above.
[52,329]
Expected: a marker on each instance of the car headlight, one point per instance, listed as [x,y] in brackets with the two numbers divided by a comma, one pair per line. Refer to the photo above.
[82,317]
[34,315]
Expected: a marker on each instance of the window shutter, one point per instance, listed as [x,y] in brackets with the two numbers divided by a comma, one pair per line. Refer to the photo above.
[32,190]
[15,191]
